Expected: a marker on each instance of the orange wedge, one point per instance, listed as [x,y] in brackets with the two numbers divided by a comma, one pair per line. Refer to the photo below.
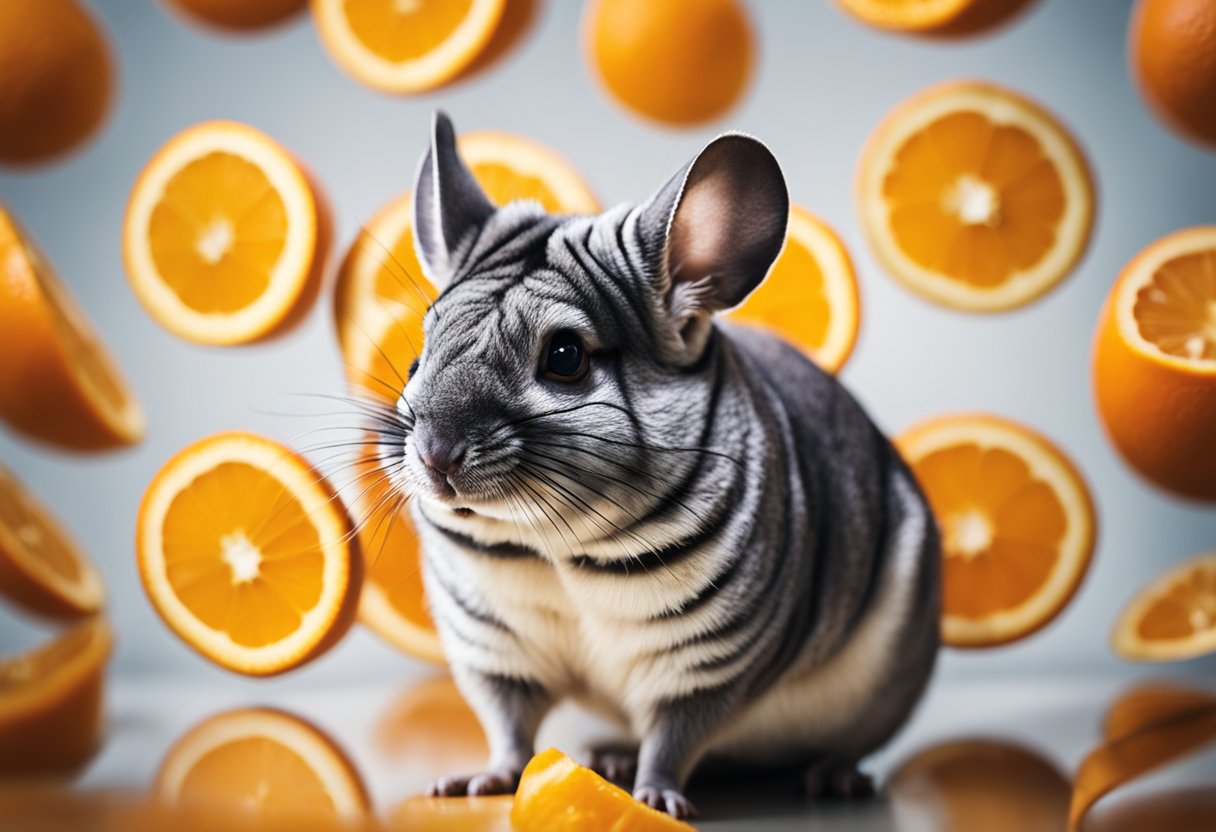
[226,236]
[556,794]
[57,382]
[975,197]
[447,814]
[1017,524]
[264,765]
[51,702]
[1173,618]
[810,296]
[939,18]
[405,47]
[1154,364]
[247,554]
[41,568]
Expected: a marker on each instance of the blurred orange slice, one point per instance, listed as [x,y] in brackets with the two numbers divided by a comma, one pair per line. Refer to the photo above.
[405,46]
[944,18]
[448,814]
[1017,524]
[226,237]
[239,15]
[810,296]
[247,554]
[1173,618]
[41,568]
[57,382]
[510,167]
[433,725]
[51,702]
[975,197]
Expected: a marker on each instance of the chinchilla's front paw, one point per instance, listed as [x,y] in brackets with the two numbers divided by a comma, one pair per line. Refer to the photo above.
[666,800]
[494,781]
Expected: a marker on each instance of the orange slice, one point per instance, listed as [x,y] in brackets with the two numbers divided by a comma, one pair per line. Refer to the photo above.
[556,794]
[1017,524]
[226,237]
[405,47]
[41,568]
[1173,618]
[57,382]
[510,167]
[432,724]
[447,814]
[247,554]
[939,18]
[239,15]
[975,197]
[810,296]
[264,765]
[1154,364]
[51,702]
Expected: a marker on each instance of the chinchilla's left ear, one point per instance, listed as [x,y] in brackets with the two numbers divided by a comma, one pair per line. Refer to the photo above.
[449,206]
[712,233]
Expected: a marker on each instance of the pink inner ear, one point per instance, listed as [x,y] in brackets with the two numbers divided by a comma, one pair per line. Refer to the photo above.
[700,231]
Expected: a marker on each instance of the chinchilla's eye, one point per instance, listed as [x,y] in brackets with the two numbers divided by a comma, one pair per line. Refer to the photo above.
[566,357]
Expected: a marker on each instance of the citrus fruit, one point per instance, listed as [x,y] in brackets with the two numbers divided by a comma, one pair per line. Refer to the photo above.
[939,18]
[681,62]
[1173,618]
[432,724]
[1017,524]
[56,78]
[556,794]
[975,197]
[517,22]
[1154,363]
[810,295]
[263,764]
[1172,52]
[446,814]
[226,237]
[405,47]
[51,702]
[247,554]
[239,14]
[57,382]
[41,567]
[510,167]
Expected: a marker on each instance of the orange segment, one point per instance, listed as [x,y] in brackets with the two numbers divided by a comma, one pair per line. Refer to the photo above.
[226,237]
[263,765]
[1173,618]
[810,296]
[57,382]
[1154,364]
[448,814]
[556,794]
[939,18]
[247,554]
[41,568]
[405,47]
[1017,525]
[51,702]
[975,197]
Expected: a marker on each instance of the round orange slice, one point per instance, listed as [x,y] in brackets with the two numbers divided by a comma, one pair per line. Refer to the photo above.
[1017,524]
[51,702]
[58,383]
[432,724]
[510,167]
[226,237]
[975,197]
[41,568]
[810,296]
[247,554]
[405,46]
[939,18]
[264,765]
[445,814]
[1173,618]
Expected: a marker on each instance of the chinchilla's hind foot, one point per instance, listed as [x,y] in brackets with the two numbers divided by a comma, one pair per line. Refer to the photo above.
[615,762]
[836,779]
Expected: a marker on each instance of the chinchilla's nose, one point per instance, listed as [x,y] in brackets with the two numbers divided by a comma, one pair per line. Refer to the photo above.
[440,453]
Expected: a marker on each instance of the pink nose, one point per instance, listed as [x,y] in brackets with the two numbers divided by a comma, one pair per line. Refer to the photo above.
[441,455]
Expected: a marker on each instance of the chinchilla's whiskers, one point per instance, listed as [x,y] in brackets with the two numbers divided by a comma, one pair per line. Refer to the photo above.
[366,237]
[528,498]
[543,503]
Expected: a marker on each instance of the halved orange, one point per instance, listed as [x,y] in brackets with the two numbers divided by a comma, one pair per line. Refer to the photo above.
[1173,618]
[810,296]
[1017,522]
[405,46]
[264,765]
[226,236]
[447,814]
[51,702]
[1154,364]
[939,18]
[57,382]
[975,197]
[248,555]
[41,567]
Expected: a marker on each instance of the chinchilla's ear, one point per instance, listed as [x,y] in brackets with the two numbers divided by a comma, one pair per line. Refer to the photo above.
[712,233]
[449,206]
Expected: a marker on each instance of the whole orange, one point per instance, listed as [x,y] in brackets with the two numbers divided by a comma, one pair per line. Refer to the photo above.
[56,78]
[239,14]
[680,62]
[1172,51]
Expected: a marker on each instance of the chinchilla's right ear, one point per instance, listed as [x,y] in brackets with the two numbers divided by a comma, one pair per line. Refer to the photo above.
[449,206]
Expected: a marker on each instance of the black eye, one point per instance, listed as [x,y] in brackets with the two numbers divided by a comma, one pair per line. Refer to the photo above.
[566,357]
[413,368]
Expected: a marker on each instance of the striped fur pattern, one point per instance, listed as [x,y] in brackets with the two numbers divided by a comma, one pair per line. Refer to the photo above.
[705,538]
